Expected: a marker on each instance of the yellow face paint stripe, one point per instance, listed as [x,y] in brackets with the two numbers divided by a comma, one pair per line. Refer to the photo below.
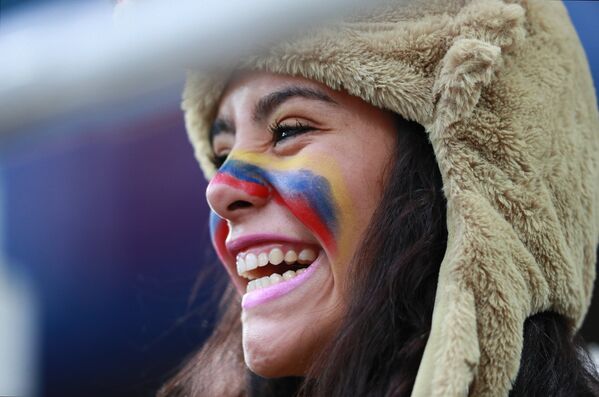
[323,167]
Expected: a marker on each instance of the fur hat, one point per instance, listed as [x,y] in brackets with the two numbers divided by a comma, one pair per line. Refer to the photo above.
[504,92]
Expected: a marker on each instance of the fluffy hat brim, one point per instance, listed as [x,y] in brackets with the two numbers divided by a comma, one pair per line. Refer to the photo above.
[504,92]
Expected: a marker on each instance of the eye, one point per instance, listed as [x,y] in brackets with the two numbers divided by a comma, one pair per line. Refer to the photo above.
[219,159]
[282,131]
[221,147]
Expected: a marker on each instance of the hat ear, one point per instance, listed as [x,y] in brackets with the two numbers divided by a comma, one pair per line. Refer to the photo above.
[468,66]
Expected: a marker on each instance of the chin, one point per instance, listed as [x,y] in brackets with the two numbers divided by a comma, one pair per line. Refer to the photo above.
[268,361]
[281,334]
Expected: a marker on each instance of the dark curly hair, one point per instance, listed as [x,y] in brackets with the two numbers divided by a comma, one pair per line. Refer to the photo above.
[378,348]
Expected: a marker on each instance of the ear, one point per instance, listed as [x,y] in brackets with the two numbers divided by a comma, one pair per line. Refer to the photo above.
[467,67]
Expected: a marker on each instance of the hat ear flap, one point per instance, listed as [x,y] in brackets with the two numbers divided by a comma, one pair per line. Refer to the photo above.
[467,67]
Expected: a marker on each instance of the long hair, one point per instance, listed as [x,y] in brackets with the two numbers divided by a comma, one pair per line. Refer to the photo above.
[392,283]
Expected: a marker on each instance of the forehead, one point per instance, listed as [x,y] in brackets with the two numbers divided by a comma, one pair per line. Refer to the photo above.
[247,87]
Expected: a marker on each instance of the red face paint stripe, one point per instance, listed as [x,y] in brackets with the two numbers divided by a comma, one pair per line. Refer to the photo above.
[306,195]
[251,188]
[302,210]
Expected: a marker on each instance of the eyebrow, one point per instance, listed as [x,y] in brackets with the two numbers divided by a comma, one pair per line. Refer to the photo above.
[267,104]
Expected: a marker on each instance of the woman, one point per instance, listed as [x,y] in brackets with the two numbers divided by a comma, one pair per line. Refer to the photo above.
[365,260]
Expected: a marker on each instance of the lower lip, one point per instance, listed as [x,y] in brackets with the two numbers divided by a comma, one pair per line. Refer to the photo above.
[272,292]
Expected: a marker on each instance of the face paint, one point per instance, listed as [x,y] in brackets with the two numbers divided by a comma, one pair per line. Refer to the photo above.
[218,233]
[316,190]
[310,189]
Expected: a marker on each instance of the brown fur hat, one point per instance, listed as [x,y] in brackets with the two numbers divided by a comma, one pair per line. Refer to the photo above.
[504,92]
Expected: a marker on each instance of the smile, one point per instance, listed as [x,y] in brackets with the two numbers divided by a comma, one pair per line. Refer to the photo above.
[274,268]
[265,267]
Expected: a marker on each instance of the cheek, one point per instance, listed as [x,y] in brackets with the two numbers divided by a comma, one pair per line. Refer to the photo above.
[219,230]
[363,182]
[317,196]
[218,233]
[309,198]
[323,203]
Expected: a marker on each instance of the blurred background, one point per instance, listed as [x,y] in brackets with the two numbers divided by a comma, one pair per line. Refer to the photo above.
[105,230]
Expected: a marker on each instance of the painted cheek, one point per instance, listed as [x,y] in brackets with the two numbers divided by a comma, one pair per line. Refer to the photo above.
[219,230]
[345,232]
[308,197]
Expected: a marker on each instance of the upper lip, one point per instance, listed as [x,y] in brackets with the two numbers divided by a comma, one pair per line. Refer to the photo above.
[241,243]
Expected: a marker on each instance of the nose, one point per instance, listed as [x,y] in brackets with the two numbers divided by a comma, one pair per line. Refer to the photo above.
[231,197]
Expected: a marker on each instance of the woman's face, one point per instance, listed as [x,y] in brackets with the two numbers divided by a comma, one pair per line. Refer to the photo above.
[303,175]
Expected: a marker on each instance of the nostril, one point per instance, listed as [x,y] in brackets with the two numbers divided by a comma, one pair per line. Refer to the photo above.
[238,205]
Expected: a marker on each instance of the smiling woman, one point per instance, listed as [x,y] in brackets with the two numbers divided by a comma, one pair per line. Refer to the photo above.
[449,255]
[313,188]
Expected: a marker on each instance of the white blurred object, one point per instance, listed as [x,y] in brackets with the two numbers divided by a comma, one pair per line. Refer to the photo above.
[594,352]
[18,325]
[56,59]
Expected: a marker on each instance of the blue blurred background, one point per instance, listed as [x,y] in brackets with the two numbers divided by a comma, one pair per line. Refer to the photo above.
[106,218]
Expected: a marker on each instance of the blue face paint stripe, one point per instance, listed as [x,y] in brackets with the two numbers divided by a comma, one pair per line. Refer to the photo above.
[244,171]
[214,223]
[303,185]
[314,189]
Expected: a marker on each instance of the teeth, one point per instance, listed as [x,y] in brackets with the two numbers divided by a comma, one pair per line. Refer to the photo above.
[263,259]
[275,256]
[306,256]
[240,265]
[290,257]
[258,283]
[251,262]
[252,285]
[275,278]
[264,282]
[288,275]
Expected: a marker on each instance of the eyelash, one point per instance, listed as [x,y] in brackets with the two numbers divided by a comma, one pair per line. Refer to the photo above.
[281,131]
